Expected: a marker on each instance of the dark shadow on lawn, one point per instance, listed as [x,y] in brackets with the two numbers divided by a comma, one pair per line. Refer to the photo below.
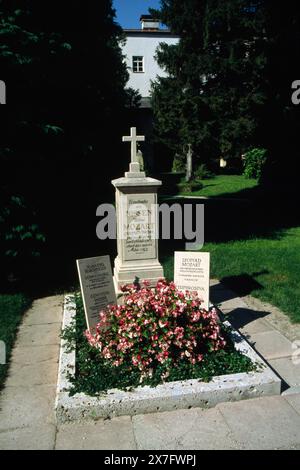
[247,193]
[263,215]
[244,284]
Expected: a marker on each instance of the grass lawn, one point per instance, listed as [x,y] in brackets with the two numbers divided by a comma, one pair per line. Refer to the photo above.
[223,185]
[12,308]
[268,269]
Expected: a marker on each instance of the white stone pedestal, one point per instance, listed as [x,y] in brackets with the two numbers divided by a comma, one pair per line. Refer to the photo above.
[137,229]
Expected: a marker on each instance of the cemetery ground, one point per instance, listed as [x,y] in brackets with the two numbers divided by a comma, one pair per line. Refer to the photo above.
[254,244]
[27,403]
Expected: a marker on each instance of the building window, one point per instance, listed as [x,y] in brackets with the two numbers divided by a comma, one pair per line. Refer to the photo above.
[138,64]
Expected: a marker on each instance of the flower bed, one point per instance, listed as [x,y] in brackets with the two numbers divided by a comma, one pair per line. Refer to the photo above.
[83,373]
[157,335]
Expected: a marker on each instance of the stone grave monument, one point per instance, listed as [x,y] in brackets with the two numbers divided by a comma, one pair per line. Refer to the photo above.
[189,164]
[137,223]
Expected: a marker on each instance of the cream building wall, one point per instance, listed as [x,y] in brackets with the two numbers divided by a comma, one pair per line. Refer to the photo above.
[144,44]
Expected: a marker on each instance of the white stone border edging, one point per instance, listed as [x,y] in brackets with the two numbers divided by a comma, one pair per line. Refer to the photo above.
[166,397]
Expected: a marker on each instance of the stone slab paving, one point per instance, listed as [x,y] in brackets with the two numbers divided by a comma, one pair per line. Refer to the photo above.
[27,403]
[183,430]
[267,329]
[38,335]
[268,423]
[294,401]
[271,344]
[44,311]
[29,438]
[27,419]
[115,434]
[274,317]
[288,369]
[23,356]
[27,406]
[255,326]
[40,373]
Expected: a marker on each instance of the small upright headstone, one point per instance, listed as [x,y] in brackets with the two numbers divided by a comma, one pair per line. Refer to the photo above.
[223,163]
[97,287]
[189,163]
[192,273]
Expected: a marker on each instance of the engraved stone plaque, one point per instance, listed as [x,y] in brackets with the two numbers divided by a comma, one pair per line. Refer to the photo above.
[192,273]
[97,286]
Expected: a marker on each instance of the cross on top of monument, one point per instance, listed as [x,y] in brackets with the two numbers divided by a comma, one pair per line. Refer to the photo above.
[134,139]
[134,167]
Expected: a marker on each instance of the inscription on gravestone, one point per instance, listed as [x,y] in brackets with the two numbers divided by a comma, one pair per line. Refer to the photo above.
[139,227]
[97,287]
[192,273]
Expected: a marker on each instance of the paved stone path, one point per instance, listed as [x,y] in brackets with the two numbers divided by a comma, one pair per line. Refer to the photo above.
[27,418]
[26,406]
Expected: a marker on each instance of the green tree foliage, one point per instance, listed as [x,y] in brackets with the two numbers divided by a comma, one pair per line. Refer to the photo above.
[21,242]
[214,90]
[64,48]
[65,77]
[254,161]
[230,77]
[280,133]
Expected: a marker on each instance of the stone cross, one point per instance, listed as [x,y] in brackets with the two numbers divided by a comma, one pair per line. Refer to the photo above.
[134,139]
[134,165]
